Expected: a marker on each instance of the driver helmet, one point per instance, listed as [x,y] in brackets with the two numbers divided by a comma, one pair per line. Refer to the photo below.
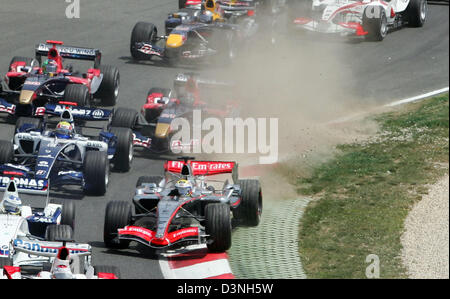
[206,17]
[64,130]
[49,67]
[184,187]
[12,205]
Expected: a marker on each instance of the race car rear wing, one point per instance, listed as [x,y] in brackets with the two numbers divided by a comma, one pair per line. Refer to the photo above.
[202,168]
[69,52]
[77,113]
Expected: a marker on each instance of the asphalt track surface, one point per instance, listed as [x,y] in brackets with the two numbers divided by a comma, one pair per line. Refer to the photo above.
[408,62]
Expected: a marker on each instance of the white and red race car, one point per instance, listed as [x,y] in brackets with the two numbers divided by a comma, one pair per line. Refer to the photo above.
[371,19]
[66,261]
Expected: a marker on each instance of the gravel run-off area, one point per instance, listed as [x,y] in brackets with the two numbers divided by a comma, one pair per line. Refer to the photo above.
[426,238]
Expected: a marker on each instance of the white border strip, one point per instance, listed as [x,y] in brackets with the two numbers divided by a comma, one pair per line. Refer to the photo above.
[419,97]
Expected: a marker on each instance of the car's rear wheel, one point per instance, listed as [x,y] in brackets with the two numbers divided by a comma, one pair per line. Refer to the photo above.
[59,233]
[124,148]
[117,215]
[218,227]
[6,151]
[250,208]
[181,4]
[96,172]
[124,118]
[375,23]
[416,13]
[108,91]
[77,93]
[107,269]
[142,32]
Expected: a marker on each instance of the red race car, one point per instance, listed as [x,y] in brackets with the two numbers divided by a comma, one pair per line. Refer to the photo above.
[30,84]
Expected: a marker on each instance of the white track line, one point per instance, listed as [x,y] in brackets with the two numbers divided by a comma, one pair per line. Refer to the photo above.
[393,104]
[419,97]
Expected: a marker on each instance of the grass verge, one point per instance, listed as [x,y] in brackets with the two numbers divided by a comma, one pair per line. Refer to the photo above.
[364,193]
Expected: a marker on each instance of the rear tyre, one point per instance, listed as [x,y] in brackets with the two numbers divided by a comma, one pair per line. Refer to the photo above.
[77,93]
[107,269]
[68,214]
[142,32]
[218,227]
[117,215]
[250,209]
[123,157]
[181,4]
[36,123]
[6,151]
[108,91]
[96,172]
[58,232]
[375,23]
[416,13]
[124,118]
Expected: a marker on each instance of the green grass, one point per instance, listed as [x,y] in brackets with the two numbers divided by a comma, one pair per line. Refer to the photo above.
[364,193]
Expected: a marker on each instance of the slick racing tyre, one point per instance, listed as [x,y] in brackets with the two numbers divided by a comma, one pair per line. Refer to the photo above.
[142,32]
[96,172]
[68,214]
[375,23]
[124,118]
[107,269]
[416,13]
[250,209]
[124,149]
[6,151]
[59,233]
[108,92]
[77,93]
[117,215]
[181,4]
[218,227]
[35,123]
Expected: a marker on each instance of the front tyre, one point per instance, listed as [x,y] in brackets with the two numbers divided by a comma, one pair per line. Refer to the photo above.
[218,227]
[142,32]
[375,23]
[96,172]
[250,208]
[117,215]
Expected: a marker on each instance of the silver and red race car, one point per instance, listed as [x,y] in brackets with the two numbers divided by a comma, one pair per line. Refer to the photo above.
[29,85]
[185,207]
[371,19]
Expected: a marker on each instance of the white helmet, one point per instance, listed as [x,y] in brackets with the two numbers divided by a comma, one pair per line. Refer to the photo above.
[12,205]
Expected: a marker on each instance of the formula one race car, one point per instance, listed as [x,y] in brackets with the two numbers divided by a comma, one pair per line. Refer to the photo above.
[61,259]
[17,220]
[371,19]
[41,154]
[28,86]
[192,35]
[189,93]
[185,207]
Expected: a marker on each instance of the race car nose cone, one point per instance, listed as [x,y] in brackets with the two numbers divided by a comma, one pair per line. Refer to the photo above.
[174,41]
[26,96]
[162,130]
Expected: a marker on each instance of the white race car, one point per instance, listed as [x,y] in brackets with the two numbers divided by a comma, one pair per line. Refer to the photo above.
[30,224]
[367,18]
[64,261]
